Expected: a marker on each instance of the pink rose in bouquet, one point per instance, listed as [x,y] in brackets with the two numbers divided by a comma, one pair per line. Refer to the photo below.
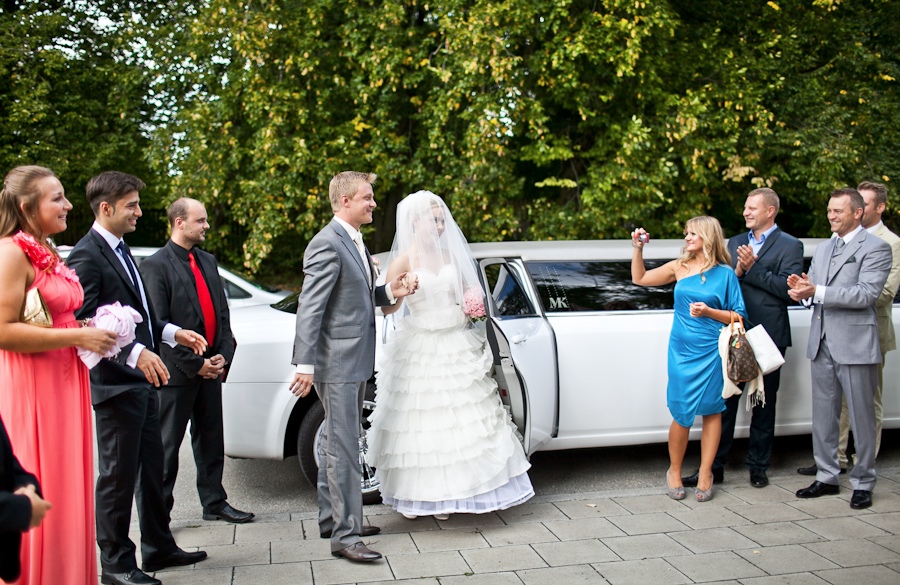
[118,318]
[473,304]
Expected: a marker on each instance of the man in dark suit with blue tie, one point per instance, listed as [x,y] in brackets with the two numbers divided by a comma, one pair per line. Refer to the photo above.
[762,259]
[183,283]
[126,407]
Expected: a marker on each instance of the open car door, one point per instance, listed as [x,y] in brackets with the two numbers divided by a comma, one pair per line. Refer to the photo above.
[524,352]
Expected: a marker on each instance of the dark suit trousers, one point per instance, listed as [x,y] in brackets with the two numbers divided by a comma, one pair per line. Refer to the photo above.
[200,403]
[130,457]
[762,425]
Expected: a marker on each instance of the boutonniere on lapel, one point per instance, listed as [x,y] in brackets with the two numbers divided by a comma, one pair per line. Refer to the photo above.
[376,266]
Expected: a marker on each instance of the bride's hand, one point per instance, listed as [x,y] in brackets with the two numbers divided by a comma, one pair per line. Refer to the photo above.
[405,284]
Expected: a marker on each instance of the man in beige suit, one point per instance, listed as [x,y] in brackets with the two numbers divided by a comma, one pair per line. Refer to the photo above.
[875,197]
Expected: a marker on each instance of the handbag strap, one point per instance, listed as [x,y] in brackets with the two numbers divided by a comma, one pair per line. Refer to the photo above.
[740,321]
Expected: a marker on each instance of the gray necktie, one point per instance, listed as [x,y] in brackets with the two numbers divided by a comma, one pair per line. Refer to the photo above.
[362,254]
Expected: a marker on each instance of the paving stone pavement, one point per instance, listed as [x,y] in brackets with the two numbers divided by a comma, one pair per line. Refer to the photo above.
[744,535]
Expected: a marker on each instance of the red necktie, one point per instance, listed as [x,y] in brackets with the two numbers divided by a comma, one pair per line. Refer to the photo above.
[206,304]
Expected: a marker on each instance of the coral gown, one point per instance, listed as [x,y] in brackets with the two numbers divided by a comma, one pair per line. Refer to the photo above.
[45,402]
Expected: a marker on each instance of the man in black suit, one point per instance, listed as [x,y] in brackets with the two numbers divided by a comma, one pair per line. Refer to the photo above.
[762,259]
[184,285]
[126,409]
[21,508]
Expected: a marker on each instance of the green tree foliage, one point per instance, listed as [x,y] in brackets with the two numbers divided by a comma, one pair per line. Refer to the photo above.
[535,119]
[73,96]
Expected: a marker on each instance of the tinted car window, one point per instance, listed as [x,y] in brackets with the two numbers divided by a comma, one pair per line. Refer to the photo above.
[232,291]
[509,297]
[596,286]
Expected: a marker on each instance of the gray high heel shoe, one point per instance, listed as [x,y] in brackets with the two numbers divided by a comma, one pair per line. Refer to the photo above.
[676,493]
[704,495]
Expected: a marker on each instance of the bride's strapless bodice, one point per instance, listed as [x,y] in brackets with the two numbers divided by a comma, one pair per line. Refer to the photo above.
[434,305]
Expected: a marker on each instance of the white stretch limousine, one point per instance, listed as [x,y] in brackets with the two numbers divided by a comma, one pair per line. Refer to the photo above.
[579,356]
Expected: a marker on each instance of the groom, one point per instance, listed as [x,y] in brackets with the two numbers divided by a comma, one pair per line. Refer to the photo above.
[335,347]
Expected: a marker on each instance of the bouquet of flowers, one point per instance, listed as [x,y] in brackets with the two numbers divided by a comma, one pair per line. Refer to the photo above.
[473,304]
[118,318]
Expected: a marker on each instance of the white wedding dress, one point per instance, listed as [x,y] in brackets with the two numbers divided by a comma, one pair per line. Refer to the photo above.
[440,440]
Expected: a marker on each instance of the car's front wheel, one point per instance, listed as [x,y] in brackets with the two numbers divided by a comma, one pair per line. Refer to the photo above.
[311,435]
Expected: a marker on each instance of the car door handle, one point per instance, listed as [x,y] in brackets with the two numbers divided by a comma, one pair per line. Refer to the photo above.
[517,338]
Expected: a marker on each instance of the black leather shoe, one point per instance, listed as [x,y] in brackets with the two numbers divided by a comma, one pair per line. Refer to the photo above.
[812,470]
[861,499]
[358,552]
[135,577]
[758,478]
[691,480]
[179,558]
[227,513]
[366,531]
[817,488]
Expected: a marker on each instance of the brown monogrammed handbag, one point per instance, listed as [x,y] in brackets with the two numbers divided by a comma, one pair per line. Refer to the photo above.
[742,366]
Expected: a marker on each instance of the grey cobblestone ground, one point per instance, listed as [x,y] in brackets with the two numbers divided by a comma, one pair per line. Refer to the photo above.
[744,535]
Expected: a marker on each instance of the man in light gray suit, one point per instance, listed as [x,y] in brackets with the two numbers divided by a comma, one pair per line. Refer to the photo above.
[846,276]
[335,348]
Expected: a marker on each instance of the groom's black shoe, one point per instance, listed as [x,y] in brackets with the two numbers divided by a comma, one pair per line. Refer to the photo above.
[365,531]
[357,552]
[691,480]
[817,488]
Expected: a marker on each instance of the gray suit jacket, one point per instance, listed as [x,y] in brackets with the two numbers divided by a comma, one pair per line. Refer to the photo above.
[848,311]
[336,314]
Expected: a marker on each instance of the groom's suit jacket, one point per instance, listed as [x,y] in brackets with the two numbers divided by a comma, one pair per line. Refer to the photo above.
[854,279]
[765,286]
[336,314]
[105,281]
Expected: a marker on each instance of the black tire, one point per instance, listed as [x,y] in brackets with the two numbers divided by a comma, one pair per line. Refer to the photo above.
[311,429]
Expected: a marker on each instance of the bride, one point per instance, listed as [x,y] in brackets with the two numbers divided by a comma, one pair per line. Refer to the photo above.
[440,439]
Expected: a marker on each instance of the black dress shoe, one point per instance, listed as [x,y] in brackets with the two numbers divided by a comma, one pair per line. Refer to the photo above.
[817,488]
[691,480]
[357,552]
[861,499]
[227,513]
[135,577]
[366,531]
[179,558]
[758,478]
[812,470]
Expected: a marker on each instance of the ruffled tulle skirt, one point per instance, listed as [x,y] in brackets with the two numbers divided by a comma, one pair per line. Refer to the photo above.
[440,440]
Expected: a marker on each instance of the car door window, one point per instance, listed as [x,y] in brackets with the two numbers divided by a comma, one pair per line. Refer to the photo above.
[232,291]
[596,286]
[507,292]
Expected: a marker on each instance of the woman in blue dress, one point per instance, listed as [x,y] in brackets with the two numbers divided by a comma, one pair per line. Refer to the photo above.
[707,292]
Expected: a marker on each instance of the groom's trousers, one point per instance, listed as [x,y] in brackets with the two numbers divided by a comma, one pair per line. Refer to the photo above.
[338,485]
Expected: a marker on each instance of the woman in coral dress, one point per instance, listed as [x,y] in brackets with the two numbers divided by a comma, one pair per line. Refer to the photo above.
[440,439]
[44,388]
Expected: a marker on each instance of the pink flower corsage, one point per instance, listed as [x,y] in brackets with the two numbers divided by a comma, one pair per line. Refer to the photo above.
[118,318]
[376,266]
[473,304]
[42,258]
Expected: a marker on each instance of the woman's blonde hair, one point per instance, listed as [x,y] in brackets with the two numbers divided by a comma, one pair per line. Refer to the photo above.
[19,201]
[714,249]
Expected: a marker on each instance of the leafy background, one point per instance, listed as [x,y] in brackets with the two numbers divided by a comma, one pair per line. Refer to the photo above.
[534,119]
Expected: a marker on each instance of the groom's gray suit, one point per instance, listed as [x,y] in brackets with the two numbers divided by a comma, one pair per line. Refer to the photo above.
[843,347]
[336,333]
